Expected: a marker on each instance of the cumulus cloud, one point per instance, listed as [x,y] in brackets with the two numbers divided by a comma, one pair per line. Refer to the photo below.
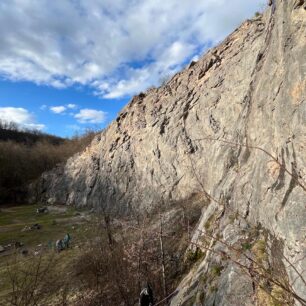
[71,106]
[170,61]
[116,47]
[21,116]
[58,109]
[90,116]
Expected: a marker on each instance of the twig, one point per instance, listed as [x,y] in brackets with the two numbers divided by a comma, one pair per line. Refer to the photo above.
[295,177]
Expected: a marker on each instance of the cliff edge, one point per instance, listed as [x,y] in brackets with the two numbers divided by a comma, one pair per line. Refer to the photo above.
[232,127]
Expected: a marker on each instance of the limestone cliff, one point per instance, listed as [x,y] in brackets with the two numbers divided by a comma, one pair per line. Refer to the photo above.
[231,126]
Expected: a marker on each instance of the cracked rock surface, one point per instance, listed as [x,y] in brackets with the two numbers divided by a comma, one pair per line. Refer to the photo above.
[232,125]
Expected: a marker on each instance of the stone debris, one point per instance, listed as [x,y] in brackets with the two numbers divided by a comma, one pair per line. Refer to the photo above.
[18,244]
[33,227]
[42,210]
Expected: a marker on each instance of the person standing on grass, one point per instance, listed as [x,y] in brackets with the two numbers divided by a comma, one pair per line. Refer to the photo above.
[59,245]
[67,239]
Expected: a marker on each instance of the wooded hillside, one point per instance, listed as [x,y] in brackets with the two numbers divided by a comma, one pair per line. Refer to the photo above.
[25,154]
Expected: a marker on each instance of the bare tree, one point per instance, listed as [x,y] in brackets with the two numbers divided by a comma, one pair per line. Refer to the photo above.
[33,281]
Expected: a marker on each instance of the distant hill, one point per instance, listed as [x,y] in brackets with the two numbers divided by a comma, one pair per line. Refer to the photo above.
[11,132]
[26,154]
[29,138]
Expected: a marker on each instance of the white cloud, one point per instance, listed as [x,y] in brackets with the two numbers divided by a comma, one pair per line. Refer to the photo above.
[170,61]
[22,117]
[94,42]
[90,116]
[58,109]
[71,106]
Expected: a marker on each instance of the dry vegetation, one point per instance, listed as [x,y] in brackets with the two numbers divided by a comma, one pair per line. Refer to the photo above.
[24,155]
[126,254]
[108,262]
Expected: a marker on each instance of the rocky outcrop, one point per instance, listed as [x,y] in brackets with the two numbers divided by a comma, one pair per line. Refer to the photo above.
[231,126]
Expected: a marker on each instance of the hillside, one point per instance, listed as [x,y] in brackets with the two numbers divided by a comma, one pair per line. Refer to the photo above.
[27,137]
[231,129]
[26,154]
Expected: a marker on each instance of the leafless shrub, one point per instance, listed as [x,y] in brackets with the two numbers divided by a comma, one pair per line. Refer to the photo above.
[125,255]
[32,281]
[25,159]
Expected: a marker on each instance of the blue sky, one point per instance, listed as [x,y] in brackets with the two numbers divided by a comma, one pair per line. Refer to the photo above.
[66,65]
[39,100]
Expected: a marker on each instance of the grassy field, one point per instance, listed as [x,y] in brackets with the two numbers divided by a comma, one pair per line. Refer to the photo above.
[54,225]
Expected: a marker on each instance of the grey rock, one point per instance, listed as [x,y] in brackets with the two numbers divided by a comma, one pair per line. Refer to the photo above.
[18,244]
[35,226]
[232,124]
[42,210]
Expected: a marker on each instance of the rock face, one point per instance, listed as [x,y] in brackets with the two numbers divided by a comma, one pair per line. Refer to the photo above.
[231,126]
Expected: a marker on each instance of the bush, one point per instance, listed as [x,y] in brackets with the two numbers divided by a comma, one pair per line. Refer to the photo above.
[194,256]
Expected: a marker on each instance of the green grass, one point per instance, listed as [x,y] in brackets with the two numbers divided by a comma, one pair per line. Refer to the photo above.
[26,214]
[194,256]
[259,249]
[246,246]
[54,225]
[14,219]
[216,270]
